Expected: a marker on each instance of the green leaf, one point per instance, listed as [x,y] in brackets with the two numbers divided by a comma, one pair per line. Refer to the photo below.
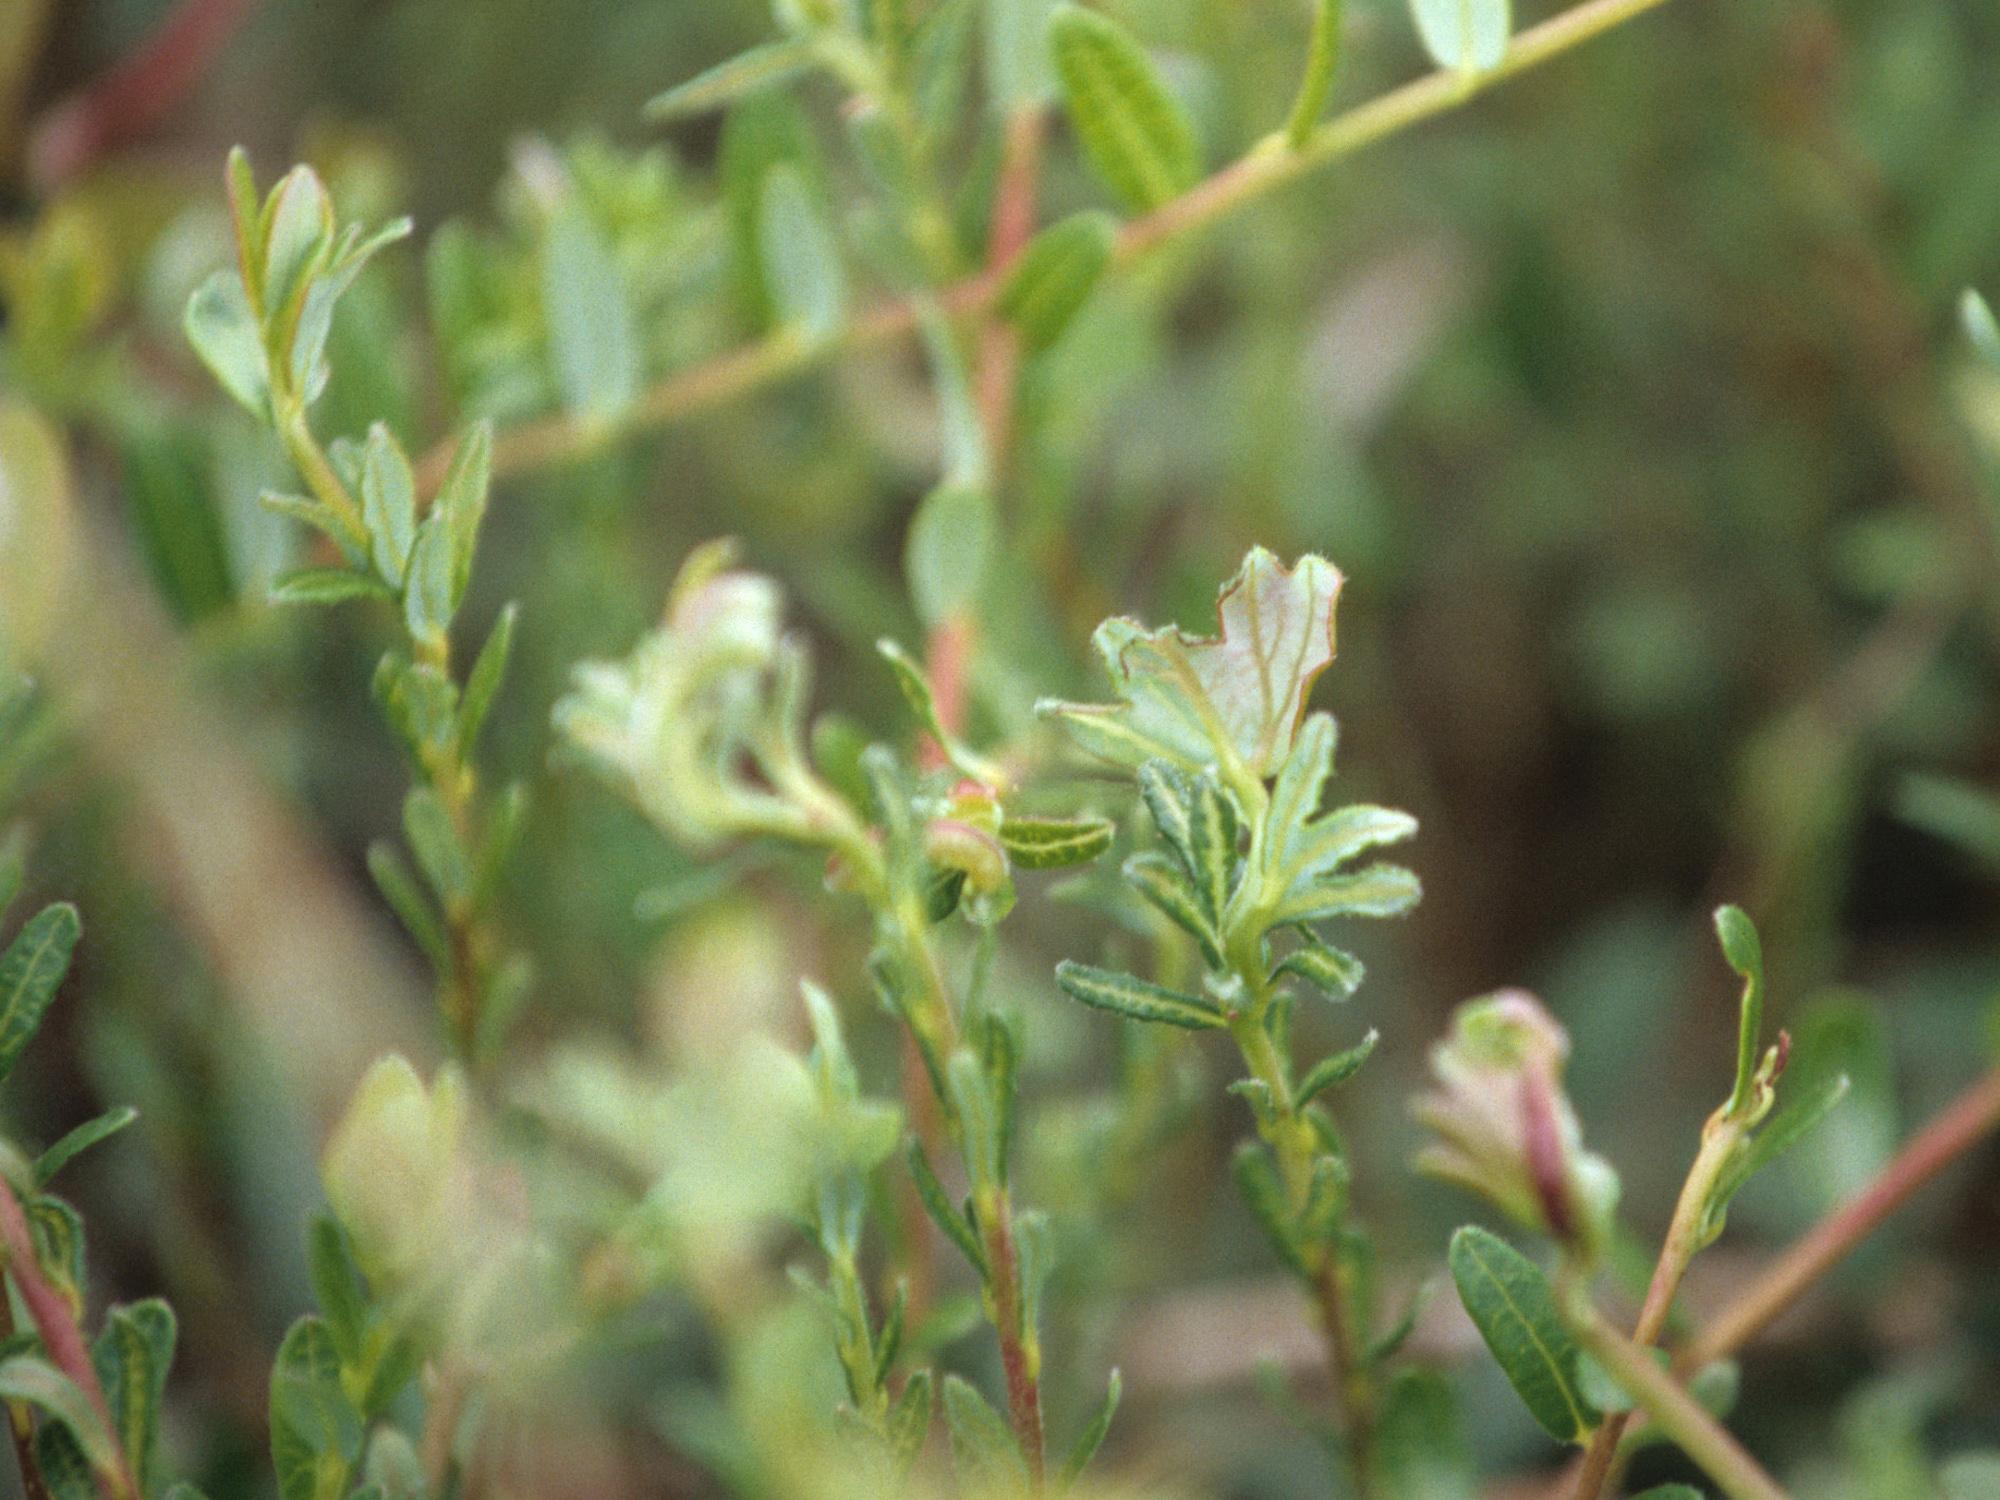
[1970,1476]
[482,684]
[461,502]
[1745,954]
[317,515]
[950,540]
[983,1450]
[1336,972]
[593,335]
[224,332]
[1257,1179]
[801,260]
[1320,847]
[427,602]
[388,503]
[1211,847]
[1298,789]
[316,1432]
[1236,698]
[1334,1070]
[33,1380]
[1054,276]
[421,703]
[298,229]
[326,586]
[1980,324]
[30,971]
[1165,886]
[1672,1492]
[1470,36]
[910,1420]
[1092,1436]
[1421,1442]
[916,688]
[1136,998]
[59,1242]
[1959,813]
[1798,1114]
[939,1207]
[748,72]
[407,899]
[133,1354]
[80,1140]
[66,1471]
[1377,891]
[1056,843]
[1514,1308]
[434,840]
[338,1288]
[1134,132]
[1018,70]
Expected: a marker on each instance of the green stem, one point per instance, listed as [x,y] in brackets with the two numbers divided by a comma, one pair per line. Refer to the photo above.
[1720,1138]
[1679,1415]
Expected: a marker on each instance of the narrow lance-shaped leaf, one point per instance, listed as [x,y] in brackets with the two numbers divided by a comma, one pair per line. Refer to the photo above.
[388,503]
[1980,324]
[1514,1308]
[1135,133]
[1055,275]
[30,970]
[1322,60]
[27,1378]
[1136,998]
[1092,1437]
[1745,955]
[1055,843]
[951,537]
[746,73]
[1165,887]
[1335,1069]
[80,1140]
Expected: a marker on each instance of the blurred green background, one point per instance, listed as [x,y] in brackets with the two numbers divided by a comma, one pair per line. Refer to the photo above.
[1631,399]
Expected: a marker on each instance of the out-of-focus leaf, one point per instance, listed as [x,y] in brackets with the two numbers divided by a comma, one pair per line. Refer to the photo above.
[33,1380]
[951,537]
[1421,1441]
[1336,1068]
[1092,1437]
[983,1450]
[225,334]
[746,73]
[1468,35]
[35,530]
[1055,275]
[802,271]
[326,586]
[80,1140]
[1980,324]
[1135,133]
[1056,843]
[1961,814]
[1514,1308]
[593,338]
[132,1356]
[1018,73]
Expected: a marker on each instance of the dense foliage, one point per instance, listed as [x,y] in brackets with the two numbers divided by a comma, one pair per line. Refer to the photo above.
[531,998]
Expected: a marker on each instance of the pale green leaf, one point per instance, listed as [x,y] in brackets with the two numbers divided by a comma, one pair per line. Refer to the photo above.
[30,1379]
[1165,886]
[1421,1442]
[1980,325]
[983,1450]
[1092,1437]
[801,260]
[950,541]
[1469,36]
[133,1354]
[224,332]
[326,586]
[593,337]
[388,503]
[1018,69]
[1377,891]
[1333,1070]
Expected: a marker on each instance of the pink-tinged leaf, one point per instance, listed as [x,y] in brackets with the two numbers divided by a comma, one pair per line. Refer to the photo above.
[1236,698]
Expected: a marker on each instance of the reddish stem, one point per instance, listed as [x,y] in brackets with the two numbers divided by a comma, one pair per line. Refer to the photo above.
[135,94]
[1966,1121]
[61,1336]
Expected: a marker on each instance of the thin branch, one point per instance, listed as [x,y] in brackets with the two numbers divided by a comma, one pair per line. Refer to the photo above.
[1269,166]
[1964,1123]
[1678,1414]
